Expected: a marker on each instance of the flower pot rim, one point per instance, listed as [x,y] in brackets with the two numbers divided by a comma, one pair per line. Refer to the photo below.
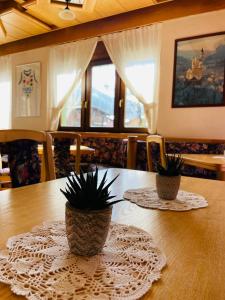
[88,211]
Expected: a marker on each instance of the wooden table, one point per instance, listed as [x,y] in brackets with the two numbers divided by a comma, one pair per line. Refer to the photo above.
[215,162]
[193,241]
[83,150]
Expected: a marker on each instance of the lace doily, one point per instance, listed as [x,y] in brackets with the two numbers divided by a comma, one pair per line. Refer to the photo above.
[38,265]
[148,197]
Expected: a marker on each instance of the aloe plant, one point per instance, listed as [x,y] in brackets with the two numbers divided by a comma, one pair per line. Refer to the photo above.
[173,166]
[84,192]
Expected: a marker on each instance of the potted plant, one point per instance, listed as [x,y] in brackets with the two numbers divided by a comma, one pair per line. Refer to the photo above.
[88,212]
[168,177]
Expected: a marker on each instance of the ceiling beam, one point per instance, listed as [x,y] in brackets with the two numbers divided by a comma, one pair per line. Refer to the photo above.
[2,29]
[9,6]
[6,6]
[23,12]
[27,3]
[132,19]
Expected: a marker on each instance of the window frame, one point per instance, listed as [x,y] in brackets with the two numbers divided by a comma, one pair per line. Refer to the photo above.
[101,57]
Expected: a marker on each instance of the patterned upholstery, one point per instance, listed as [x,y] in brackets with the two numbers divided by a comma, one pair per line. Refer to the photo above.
[196,148]
[63,160]
[108,151]
[181,147]
[113,152]
[24,162]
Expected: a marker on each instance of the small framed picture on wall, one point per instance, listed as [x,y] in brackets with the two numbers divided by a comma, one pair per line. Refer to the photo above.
[28,90]
[199,69]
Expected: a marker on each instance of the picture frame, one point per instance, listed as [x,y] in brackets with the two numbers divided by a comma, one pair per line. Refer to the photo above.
[28,90]
[199,71]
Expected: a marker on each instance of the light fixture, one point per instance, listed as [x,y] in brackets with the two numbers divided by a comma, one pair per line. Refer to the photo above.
[66,13]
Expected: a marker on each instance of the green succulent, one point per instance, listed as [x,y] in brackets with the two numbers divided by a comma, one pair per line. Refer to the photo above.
[83,192]
[173,165]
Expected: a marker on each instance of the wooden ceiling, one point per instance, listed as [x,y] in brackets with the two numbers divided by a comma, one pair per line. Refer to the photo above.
[20,19]
[30,24]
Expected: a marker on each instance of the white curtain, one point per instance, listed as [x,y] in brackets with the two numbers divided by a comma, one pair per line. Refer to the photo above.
[136,55]
[70,62]
[5,92]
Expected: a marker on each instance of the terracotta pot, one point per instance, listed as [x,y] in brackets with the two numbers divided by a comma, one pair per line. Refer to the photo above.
[167,186]
[87,230]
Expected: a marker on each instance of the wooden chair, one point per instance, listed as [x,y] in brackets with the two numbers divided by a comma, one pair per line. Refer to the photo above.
[5,180]
[62,140]
[161,142]
[23,160]
[131,152]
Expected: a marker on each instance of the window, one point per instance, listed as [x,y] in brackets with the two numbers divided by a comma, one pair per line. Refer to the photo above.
[134,110]
[102,102]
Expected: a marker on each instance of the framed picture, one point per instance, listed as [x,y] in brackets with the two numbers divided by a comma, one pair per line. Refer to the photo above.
[28,90]
[199,68]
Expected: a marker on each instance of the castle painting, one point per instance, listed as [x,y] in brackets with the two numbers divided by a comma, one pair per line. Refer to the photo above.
[199,71]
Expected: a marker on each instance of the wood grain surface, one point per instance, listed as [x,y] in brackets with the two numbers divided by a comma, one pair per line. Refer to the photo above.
[193,241]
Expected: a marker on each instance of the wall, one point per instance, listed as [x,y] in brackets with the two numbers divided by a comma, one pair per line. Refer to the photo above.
[177,122]
[205,122]
[39,122]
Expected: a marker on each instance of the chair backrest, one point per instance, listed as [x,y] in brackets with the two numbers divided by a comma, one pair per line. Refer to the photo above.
[62,140]
[131,152]
[161,142]
[24,163]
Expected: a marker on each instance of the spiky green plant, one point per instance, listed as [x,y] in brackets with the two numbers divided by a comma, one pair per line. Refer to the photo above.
[173,166]
[83,192]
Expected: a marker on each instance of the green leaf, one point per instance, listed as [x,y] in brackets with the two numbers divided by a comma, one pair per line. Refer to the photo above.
[84,193]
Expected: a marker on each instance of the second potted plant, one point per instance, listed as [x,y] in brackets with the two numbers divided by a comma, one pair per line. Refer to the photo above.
[88,212]
[168,177]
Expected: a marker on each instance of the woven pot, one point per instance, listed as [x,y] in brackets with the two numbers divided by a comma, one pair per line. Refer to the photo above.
[87,230]
[167,186]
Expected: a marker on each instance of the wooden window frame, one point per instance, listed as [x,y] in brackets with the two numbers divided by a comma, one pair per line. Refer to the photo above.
[101,57]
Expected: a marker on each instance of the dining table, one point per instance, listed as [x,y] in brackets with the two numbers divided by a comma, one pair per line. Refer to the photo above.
[193,242]
[84,150]
[214,162]
[5,179]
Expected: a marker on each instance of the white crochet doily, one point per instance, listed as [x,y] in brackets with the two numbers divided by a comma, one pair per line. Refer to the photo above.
[39,265]
[148,197]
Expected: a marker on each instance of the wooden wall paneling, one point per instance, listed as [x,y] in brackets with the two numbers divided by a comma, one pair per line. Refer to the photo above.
[25,18]
[7,7]
[112,135]
[2,29]
[50,13]
[89,5]
[13,31]
[34,20]
[110,8]
[27,25]
[140,17]
[129,5]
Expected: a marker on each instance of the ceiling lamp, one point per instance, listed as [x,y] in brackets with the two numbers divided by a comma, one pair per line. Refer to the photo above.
[66,13]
